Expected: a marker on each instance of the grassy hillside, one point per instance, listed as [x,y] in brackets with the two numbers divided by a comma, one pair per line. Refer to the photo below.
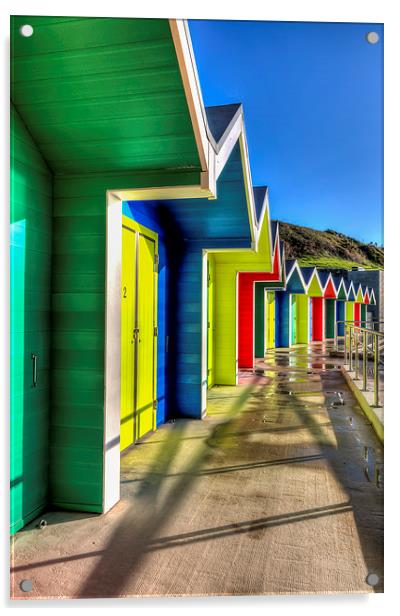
[328,248]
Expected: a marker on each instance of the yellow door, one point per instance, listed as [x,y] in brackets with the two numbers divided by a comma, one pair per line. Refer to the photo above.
[210,322]
[266,320]
[146,323]
[127,338]
[349,311]
[270,319]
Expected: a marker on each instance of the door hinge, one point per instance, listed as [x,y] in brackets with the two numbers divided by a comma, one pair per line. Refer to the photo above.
[208,324]
[155,404]
[156,262]
[208,279]
[155,331]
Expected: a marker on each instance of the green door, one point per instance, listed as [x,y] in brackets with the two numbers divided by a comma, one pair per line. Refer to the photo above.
[330,311]
[293,319]
[363,315]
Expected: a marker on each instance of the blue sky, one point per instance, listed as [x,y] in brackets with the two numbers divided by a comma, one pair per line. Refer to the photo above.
[313,104]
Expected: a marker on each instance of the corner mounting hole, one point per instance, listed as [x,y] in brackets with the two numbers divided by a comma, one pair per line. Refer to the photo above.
[372,37]
[26,585]
[26,30]
[372,579]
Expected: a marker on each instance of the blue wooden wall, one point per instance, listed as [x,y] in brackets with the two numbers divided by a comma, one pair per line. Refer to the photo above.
[282,316]
[151,215]
[340,316]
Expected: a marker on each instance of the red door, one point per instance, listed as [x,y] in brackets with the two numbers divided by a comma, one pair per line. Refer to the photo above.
[246,311]
[317,319]
[357,314]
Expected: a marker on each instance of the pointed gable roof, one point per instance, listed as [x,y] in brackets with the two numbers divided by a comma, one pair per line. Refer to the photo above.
[366,295]
[340,287]
[313,282]
[260,197]
[307,273]
[295,282]
[359,294]
[328,286]
[351,295]
[283,262]
[324,277]
[220,118]
[274,232]
[372,299]
[276,248]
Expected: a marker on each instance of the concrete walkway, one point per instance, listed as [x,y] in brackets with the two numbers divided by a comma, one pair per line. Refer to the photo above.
[271,493]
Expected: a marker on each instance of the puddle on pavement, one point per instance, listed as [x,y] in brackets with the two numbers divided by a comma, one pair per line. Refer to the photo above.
[373,469]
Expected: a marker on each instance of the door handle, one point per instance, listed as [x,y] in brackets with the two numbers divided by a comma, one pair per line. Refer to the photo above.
[34,369]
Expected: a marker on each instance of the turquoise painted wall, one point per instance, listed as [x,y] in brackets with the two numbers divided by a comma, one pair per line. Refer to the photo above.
[30,261]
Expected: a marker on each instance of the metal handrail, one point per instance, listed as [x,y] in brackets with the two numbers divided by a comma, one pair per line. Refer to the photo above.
[354,333]
[365,321]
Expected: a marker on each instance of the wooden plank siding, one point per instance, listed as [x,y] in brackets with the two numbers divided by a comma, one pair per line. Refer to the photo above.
[340,316]
[282,308]
[105,104]
[78,332]
[210,320]
[302,305]
[246,324]
[101,94]
[30,260]
[228,265]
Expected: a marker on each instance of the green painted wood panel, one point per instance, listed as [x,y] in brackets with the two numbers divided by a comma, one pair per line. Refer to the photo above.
[363,315]
[78,335]
[330,315]
[259,321]
[30,274]
[101,94]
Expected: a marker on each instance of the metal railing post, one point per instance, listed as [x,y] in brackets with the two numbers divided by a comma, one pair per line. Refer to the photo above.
[376,374]
[365,361]
[350,350]
[356,358]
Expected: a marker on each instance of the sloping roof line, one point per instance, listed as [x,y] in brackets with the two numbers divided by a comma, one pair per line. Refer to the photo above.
[349,288]
[293,266]
[308,274]
[324,278]
[338,281]
[372,299]
[217,131]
